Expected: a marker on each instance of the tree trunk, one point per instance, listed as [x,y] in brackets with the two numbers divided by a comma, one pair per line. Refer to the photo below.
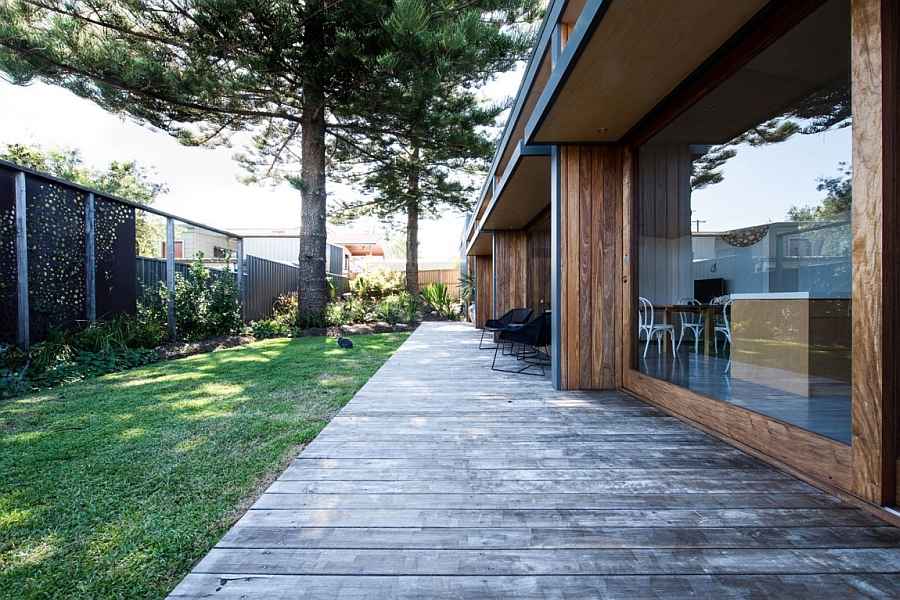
[412,230]
[312,294]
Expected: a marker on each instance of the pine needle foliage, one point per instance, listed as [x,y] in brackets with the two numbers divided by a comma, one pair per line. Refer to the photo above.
[293,74]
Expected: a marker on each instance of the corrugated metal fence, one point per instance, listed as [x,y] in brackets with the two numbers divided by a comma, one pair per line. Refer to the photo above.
[264,281]
[150,271]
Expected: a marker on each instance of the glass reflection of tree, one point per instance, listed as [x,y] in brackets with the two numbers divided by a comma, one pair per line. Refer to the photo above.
[825,227]
[825,109]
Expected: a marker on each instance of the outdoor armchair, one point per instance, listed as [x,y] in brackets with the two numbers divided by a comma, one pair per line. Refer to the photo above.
[532,336]
[514,317]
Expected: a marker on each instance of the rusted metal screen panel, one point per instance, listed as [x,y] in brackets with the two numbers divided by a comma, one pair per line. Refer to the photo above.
[114,244]
[264,282]
[9,321]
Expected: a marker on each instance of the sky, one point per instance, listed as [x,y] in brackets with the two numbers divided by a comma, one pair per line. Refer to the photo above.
[761,184]
[203,184]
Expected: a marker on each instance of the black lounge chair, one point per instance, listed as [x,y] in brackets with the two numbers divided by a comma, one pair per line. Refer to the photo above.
[532,336]
[514,317]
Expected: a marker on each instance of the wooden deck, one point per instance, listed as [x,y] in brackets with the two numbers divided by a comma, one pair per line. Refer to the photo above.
[444,479]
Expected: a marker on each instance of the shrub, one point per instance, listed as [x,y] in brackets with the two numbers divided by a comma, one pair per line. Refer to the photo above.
[119,332]
[99,349]
[285,306]
[269,328]
[437,297]
[311,318]
[378,284]
[206,303]
[410,308]
[389,310]
[467,287]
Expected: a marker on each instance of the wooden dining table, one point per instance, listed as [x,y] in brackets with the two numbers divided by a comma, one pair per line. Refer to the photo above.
[709,312]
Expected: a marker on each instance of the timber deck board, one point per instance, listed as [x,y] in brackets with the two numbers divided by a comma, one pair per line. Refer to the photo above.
[444,479]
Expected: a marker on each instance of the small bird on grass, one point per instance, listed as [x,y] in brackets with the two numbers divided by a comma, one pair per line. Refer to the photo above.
[345,342]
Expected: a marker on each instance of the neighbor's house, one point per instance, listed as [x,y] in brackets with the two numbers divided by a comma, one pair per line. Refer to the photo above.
[283,245]
[591,197]
[191,241]
[277,245]
[364,250]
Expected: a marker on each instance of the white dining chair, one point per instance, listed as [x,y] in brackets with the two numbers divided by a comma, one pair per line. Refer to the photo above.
[692,321]
[723,328]
[651,329]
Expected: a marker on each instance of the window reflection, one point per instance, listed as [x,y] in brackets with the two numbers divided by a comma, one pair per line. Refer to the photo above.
[744,228]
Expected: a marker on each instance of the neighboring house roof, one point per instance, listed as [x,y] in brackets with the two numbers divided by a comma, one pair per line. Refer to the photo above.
[360,244]
[269,233]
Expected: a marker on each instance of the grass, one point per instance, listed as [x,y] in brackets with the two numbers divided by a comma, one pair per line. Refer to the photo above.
[115,487]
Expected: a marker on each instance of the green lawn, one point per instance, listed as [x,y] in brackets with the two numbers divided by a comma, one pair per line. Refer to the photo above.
[115,487]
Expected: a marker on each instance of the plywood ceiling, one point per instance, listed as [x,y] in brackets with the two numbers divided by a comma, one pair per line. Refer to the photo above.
[639,53]
[525,193]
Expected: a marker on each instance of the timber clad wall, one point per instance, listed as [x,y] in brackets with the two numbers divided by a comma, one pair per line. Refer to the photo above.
[509,270]
[484,290]
[872,449]
[891,216]
[600,203]
[537,285]
[590,244]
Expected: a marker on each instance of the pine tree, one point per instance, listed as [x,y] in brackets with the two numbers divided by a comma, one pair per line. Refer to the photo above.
[421,157]
[824,109]
[292,72]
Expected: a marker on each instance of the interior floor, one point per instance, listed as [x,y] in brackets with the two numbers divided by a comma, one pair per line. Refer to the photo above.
[826,412]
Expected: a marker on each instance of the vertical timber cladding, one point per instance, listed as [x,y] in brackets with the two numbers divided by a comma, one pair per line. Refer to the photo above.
[871,455]
[484,290]
[537,296]
[510,267]
[590,242]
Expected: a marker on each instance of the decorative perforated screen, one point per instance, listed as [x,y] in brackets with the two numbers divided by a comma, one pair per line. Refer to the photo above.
[56,221]
[56,244]
[9,322]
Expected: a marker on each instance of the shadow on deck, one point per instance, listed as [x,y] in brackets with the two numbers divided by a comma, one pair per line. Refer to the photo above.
[444,479]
